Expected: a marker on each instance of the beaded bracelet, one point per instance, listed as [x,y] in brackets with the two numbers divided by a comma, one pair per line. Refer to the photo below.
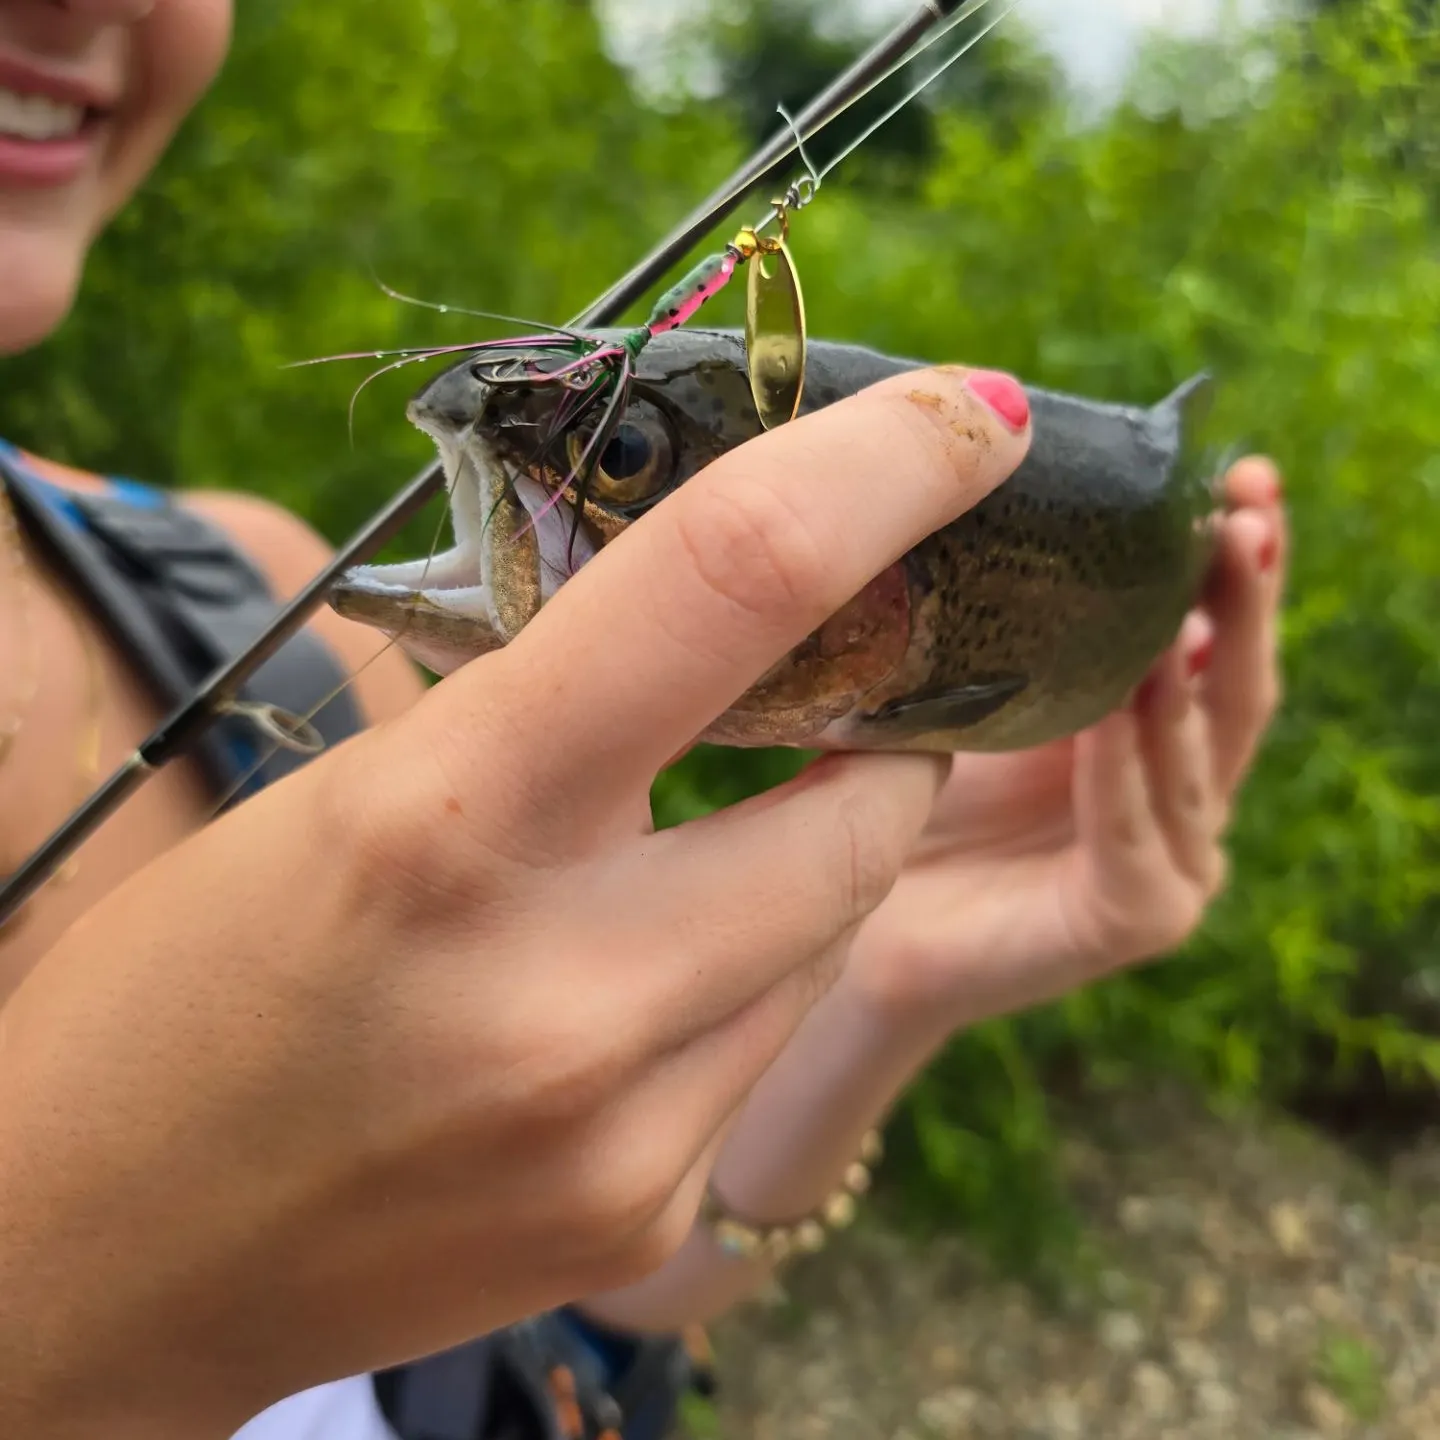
[777,1243]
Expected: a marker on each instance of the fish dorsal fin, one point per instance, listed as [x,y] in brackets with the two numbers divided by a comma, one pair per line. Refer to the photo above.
[1190,402]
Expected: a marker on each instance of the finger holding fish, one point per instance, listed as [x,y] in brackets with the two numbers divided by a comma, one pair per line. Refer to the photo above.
[1175,735]
[1242,686]
[1197,723]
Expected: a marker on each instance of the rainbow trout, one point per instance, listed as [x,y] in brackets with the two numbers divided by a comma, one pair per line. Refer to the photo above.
[1029,618]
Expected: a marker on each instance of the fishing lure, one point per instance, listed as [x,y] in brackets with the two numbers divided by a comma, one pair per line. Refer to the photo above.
[600,376]
[775,319]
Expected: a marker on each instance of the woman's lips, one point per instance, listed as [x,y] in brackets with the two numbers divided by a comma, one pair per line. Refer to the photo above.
[43,163]
[62,156]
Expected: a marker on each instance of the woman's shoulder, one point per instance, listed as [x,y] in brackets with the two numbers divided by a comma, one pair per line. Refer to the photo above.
[288,552]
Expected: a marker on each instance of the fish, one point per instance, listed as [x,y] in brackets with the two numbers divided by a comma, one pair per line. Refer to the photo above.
[1025,620]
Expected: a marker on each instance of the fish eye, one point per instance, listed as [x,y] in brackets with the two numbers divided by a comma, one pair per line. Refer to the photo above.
[638,461]
[627,454]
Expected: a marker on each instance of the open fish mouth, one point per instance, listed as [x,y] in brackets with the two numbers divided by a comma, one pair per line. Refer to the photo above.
[458,603]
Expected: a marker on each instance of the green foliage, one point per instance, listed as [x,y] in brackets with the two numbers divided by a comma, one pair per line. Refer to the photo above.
[1350,1369]
[1263,207]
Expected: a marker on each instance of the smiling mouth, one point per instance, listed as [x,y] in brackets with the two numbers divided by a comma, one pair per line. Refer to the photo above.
[32,112]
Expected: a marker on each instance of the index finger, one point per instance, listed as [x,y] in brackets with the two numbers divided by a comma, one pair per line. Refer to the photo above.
[676,618]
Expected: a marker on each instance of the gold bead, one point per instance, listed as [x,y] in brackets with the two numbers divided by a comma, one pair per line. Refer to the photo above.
[872,1147]
[809,1237]
[747,242]
[776,1246]
[857,1179]
[839,1210]
[736,1239]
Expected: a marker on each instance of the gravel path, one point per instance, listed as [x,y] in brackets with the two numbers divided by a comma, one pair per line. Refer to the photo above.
[1258,1282]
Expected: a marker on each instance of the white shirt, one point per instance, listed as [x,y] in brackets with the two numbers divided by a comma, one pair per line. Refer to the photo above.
[342,1410]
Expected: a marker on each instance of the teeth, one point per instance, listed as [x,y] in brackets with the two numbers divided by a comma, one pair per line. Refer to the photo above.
[37,117]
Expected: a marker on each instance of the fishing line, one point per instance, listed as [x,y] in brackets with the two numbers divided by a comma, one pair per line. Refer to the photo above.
[924,84]
[255,715]
[798,197]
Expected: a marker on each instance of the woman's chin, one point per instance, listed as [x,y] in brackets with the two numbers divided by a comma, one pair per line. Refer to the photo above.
[41,281]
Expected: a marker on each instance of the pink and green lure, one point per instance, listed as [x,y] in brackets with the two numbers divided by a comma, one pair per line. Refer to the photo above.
[597,372]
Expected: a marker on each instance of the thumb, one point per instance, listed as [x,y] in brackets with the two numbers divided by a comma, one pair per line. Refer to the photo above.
[683,612]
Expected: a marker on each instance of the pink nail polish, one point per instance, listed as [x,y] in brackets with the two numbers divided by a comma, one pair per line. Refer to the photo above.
[1003,394]
[1200,658]
[1269,552]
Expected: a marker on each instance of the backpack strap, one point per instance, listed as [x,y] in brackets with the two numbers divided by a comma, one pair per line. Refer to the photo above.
[556,1376]
[179,599]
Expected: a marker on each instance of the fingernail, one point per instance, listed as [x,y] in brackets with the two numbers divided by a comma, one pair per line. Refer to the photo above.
[1003,394]
[1200,658]
[1269,551]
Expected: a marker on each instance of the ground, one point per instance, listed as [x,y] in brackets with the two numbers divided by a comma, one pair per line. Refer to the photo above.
[1257,1281]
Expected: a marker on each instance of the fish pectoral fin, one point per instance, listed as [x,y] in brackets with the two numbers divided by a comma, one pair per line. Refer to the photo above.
[955,709]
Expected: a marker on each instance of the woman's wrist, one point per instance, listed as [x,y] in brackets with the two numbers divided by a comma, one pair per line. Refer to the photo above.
[903,1019]
[802,1128]
[806,1122]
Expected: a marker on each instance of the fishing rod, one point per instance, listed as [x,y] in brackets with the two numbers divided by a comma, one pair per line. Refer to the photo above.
[216,698]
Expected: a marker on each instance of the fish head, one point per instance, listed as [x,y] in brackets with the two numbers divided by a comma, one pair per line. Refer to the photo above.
[519,531]
[1023,620]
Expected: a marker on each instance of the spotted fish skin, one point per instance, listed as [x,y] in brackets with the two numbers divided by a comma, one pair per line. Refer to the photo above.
[1035,613]
[1027,619]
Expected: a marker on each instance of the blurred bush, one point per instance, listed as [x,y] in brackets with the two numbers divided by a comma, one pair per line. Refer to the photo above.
[1265,206]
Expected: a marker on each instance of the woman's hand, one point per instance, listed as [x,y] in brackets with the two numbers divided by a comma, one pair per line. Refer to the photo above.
[1037,873]
[438,1032]
[1042,870]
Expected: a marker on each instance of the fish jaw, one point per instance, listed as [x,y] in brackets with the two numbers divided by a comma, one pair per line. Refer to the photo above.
[425,629]
[512,552]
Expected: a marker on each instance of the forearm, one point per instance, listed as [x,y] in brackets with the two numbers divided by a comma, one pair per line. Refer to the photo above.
[126,1089]
[798,1133]
[56,1382]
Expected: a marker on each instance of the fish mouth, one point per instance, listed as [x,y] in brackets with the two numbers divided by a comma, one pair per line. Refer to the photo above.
[447,608]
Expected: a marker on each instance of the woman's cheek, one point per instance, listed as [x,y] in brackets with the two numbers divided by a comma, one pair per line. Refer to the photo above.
[178,51]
